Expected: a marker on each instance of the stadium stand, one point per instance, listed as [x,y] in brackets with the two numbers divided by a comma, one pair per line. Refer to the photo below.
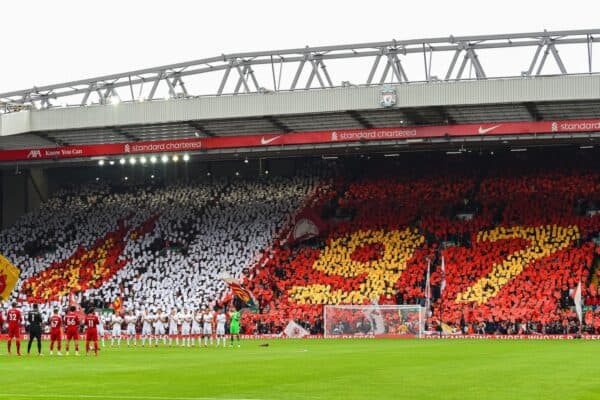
[514,241]
[152,246]
[514,245]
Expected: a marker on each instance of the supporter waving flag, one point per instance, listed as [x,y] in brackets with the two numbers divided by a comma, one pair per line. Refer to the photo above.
[78,309]
[117,305]
[9,275]
[242,293]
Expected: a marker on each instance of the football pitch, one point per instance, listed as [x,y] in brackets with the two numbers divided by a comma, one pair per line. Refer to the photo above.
[314,369]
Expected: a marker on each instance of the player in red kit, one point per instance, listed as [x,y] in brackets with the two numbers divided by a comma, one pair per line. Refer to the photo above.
[91,331]
[72,329]
[15,320]
[55,332]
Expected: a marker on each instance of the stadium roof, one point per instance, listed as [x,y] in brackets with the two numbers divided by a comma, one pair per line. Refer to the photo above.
[282,124]
[125,107]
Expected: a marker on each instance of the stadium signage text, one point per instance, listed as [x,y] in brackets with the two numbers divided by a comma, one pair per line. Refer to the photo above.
[303,138]
[431,337]
[166,146]
[512,337]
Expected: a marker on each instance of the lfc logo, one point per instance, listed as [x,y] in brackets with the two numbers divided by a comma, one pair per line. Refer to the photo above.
[388,96]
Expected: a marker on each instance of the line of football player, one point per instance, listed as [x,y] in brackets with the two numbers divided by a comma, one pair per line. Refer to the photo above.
[181,328]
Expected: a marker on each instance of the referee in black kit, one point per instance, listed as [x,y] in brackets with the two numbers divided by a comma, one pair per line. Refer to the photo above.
[35,329]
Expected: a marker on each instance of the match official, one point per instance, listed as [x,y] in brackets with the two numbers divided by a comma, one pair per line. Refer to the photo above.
[35,329]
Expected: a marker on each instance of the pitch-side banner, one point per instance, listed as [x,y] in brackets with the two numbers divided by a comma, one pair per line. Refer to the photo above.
[299,138]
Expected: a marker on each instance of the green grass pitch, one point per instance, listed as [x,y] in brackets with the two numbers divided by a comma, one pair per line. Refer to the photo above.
[315,369]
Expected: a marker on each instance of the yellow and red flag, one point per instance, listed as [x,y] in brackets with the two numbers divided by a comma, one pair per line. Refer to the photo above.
[242,293]
[117,305]
[9,275]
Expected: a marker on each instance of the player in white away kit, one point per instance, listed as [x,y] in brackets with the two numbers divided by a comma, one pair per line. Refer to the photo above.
[130,320]
[207,320]
[116,330]
[173,331]
[159,327]
[197,328]
[221,319]
[101,332]
[147,320]
[186,326]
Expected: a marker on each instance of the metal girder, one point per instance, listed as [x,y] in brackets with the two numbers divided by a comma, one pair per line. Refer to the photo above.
[392,64]
[316,62]
[252,67]
[54,140]
[200,129]
[159,76]
[360,119]
[412,116]
[470,58]
[245,76]
[128,136]
[533,111]
[548,46]
[443,114]
[86,96]
[278,124]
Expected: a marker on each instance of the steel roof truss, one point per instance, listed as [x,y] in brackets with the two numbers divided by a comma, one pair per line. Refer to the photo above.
[548,46]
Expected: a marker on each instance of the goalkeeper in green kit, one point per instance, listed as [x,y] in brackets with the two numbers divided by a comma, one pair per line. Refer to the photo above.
[234,326]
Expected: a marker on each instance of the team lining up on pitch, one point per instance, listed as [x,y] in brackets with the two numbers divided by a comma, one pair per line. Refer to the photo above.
[185,328]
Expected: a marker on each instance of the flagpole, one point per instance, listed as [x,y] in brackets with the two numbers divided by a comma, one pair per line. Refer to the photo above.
[442,287]
[427,294]
[581,317]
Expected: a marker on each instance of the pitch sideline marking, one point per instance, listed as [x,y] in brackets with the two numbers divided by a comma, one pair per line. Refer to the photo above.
[92,396]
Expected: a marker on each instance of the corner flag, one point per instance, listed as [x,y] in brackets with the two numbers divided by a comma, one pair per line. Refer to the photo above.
[9,275]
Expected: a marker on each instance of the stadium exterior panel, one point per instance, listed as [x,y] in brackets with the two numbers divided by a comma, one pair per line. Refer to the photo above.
[322,104]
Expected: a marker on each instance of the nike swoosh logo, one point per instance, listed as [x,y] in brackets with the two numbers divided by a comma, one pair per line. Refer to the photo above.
[483,131]
[267,141]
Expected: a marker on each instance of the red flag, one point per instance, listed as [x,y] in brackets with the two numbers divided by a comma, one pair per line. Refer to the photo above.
[242,293]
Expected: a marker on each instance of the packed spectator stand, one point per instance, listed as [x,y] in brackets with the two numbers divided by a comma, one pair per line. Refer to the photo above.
[514,238]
